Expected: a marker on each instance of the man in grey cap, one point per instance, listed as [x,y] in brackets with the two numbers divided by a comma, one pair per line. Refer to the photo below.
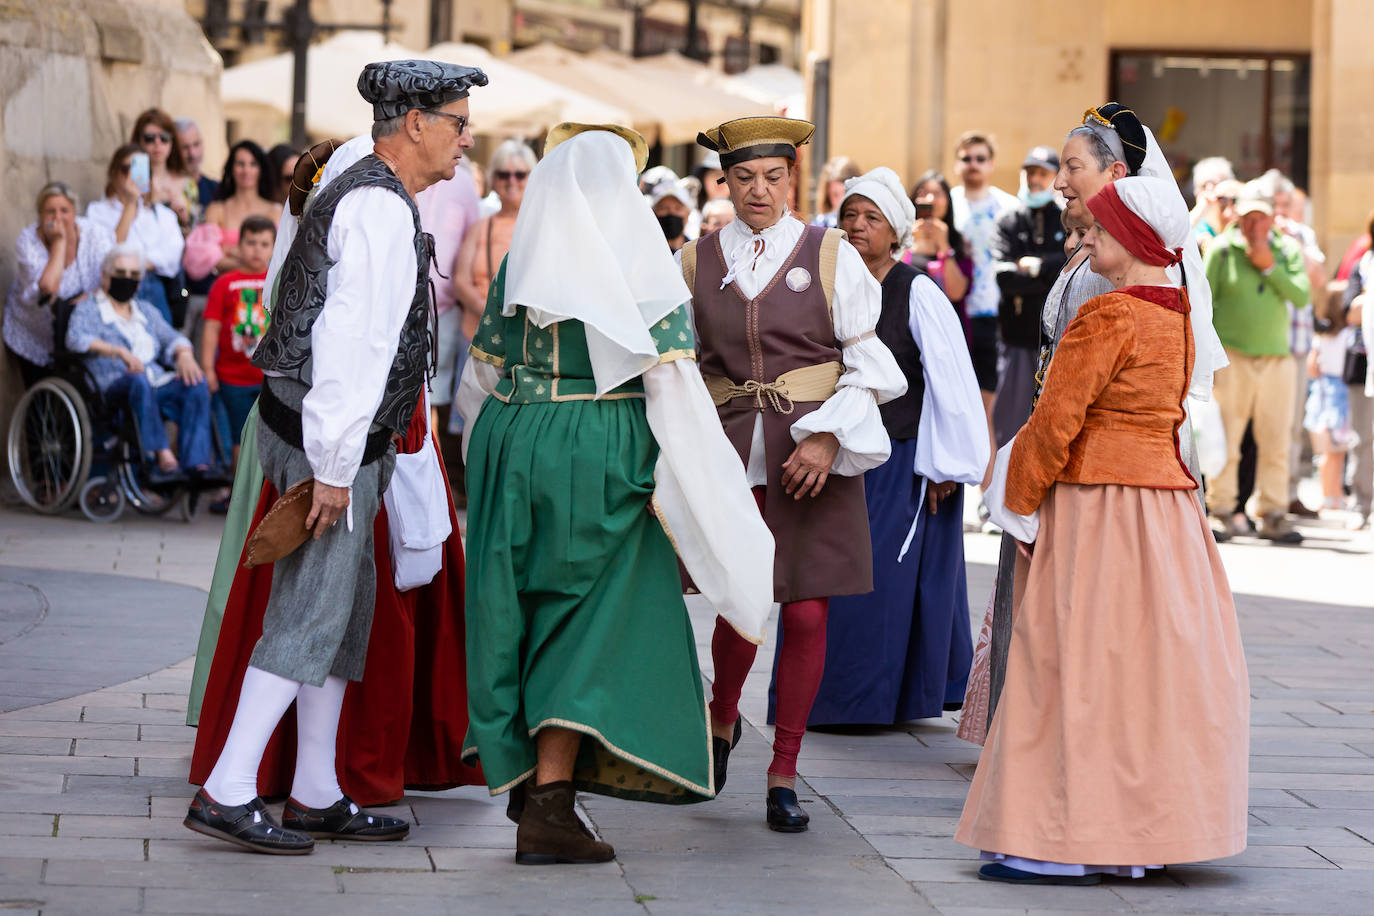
[1028,253]
[346,358]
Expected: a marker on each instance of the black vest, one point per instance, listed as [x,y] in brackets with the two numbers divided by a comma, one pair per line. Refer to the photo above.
[285,348]
[901,416]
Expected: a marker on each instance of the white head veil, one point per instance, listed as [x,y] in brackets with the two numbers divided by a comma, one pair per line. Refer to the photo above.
[587,247]
[884,188]
[341,159]
[1210,354]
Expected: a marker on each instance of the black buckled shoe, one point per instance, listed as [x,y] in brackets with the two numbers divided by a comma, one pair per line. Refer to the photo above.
[785,814]
[250,825]
[344,820]
[720,750]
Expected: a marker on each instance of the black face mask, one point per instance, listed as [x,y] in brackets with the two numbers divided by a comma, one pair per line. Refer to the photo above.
[122,289]
[672,225]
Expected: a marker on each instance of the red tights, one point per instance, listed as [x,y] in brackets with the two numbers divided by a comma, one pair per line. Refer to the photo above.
[801,661]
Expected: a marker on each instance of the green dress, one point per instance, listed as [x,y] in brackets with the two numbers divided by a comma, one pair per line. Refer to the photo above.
[242,504]
[575,615]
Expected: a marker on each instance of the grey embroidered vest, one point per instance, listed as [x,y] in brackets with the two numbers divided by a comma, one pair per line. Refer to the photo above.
[285,348]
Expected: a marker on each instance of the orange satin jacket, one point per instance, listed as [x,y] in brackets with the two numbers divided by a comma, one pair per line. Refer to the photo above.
[1112,402]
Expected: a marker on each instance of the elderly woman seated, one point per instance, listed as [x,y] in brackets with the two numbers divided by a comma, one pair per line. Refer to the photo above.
[137,359]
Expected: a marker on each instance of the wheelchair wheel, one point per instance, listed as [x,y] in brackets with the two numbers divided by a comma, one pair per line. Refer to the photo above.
[188,504]
[143,499]
[101,499]
[50,445]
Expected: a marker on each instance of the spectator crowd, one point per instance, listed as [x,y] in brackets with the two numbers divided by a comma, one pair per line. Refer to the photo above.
[170,264]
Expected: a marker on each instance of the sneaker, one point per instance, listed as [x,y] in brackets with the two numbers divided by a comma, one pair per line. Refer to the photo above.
[1277,528]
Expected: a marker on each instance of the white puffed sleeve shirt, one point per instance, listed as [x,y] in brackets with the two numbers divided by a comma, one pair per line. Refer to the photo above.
[871,374]
[354,340]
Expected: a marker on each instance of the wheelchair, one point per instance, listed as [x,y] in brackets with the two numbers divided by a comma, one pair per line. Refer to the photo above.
[68,445]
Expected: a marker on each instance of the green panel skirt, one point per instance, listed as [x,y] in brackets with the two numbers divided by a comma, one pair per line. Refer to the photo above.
[575,615]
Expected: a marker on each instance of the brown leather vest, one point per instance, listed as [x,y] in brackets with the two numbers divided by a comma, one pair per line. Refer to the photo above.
[823,547]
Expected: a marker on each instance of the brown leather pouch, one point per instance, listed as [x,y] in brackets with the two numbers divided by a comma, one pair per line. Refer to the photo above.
[282,529]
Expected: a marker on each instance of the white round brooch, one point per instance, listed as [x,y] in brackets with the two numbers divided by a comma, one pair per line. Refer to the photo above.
[798,279]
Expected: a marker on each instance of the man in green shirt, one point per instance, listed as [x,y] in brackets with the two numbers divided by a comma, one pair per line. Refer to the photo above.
[1254,272]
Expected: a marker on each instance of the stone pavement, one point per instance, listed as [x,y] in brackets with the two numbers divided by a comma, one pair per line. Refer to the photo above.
[92,785]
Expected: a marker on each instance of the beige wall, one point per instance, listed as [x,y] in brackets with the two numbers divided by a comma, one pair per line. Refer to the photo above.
[76,73]
[908,76]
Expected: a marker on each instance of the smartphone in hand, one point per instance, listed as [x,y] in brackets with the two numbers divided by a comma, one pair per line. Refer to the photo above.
[139,172]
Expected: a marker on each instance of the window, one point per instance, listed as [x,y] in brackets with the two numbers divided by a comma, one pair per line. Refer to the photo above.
[1254,109]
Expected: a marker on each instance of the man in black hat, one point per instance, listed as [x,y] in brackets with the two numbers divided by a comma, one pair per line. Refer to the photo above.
[1028,253]
[345,357]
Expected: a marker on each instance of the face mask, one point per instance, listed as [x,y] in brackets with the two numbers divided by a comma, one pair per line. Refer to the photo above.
[1037,199]
[122,289]
[672,225]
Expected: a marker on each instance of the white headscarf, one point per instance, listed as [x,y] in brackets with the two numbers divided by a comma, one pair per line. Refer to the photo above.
[287,225]
[884,188]
[1153,200]
[587,247]
[1210,354]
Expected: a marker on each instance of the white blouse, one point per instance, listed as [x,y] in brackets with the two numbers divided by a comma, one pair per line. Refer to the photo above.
[871,376]
[28,325]
[155,230]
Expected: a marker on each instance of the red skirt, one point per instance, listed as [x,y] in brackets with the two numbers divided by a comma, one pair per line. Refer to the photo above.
[403,724]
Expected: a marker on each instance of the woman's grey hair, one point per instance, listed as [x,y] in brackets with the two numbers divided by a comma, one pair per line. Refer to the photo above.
[56,189]
[720,205]
[1213,169]
[121,250]
[1097,147]
[508,151]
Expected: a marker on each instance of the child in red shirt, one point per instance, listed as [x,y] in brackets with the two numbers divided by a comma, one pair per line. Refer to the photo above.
[234,323]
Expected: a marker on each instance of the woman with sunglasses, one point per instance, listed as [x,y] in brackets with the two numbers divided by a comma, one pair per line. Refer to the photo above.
[58,257]
[155,133]
[154,227]
[487,242]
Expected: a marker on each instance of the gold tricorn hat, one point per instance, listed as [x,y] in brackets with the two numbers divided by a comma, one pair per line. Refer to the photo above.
[560,132]
[756,138]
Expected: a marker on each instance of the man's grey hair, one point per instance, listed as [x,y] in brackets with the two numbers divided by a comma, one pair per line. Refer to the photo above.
[388,127]
[1102,153]
[1274,183]
[1213,169]
[121,250]
[184,124]
[508,151]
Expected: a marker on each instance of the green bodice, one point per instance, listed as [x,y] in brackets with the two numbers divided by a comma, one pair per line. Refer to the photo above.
[551,364]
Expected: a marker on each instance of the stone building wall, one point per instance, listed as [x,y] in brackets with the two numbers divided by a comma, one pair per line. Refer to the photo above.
[76,73]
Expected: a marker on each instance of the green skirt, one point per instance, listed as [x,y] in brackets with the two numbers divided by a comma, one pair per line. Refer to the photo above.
[575,617]
[242,504]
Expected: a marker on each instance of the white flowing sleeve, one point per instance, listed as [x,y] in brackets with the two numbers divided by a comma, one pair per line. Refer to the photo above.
[871,375]
[355,337]
[477,382]
[703,501]
[952,444]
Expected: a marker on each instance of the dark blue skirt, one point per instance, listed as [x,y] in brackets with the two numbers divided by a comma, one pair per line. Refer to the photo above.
[904,650]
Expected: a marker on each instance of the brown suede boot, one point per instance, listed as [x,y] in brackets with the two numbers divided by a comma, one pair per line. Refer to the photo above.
[551,833]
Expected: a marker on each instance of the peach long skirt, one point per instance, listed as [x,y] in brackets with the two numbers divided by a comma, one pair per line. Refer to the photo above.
[1122,733]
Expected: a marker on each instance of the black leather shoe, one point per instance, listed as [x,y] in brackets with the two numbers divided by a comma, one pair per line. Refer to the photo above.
[251,826]
[344,820]
[720,750]
[785,815]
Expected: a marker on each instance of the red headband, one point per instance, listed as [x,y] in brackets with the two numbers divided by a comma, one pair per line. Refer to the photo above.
[1125,225]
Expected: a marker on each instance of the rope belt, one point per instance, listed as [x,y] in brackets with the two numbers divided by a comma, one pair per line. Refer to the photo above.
[807,384]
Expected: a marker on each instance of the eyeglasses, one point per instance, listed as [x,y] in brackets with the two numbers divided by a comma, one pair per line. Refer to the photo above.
[157,137]
[127,274]
[503,175]
[978,159]
[461,119]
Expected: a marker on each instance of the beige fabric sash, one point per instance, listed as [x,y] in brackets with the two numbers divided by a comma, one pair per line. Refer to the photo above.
[809,383]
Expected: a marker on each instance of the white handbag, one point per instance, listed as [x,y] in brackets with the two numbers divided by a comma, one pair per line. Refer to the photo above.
[1024,528]
[417,515]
